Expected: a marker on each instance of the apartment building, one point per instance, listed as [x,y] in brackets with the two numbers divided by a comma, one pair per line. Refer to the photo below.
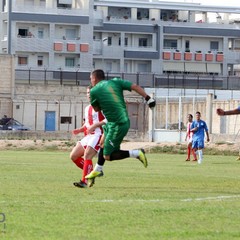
[121,36]
[47,34]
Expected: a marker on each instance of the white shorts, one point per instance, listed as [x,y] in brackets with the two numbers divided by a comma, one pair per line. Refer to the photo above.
[190,140]
[91,140]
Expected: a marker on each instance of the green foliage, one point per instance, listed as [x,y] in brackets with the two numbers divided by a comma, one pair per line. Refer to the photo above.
[182,148]
[70,143]
[171,199]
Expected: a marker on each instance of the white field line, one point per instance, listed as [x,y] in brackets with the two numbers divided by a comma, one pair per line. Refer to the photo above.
[210,198]
[151,200]
[161,200]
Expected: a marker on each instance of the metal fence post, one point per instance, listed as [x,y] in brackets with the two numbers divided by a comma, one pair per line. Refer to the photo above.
[29,76]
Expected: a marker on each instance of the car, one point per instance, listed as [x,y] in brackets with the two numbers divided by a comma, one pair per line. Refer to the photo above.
[12,124]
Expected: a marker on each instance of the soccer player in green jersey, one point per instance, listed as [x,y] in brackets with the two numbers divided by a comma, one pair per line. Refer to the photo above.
[107,96]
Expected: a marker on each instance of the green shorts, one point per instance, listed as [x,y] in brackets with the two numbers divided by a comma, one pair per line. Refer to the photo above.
[114,134]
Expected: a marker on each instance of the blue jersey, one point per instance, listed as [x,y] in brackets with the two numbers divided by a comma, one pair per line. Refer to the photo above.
[202,126]
[238,108]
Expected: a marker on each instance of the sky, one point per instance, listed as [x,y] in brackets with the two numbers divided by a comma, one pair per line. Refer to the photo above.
[229,3]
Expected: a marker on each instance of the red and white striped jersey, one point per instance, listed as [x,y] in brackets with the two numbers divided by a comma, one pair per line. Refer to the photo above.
[92,117]
[189,133]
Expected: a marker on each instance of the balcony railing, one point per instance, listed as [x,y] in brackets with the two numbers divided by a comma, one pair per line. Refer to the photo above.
[185,81]
[44,10]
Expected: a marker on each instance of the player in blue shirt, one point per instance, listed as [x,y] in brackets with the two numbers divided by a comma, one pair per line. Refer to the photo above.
[199,127]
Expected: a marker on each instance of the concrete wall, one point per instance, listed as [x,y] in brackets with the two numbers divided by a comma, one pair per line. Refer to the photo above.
[6,84]
[30,103]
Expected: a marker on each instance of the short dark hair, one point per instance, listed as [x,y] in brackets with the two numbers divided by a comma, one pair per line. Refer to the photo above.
[190,115]
[198,113]
[99,74]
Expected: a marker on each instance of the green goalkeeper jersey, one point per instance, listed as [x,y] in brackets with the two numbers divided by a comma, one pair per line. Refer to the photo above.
[108,95]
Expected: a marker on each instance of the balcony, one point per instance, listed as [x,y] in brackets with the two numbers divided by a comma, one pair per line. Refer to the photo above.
[188,56]
[177,56]
[112,52]
[166,55]
[209,57]
[219,57]
[55,11]
[32,45]
[198,56]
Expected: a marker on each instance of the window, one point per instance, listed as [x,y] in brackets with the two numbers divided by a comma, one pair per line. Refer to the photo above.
[142,67]
[108,66]
[66,120]
[64,3]
[187,45]
[142,42]
[125,67]
[29,2]
[214,45]
[170,43]
[22,32]
[70,33]
[142,13]
[3,5]
[40,61]
[22,60]
[109,41]
[43,3]
[125,42]
[40,32]
[69,62]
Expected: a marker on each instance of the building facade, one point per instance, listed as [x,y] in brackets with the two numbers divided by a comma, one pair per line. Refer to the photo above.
[124,36]
[150,39]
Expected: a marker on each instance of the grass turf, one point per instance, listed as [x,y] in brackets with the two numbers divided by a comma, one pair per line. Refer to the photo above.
[171,199]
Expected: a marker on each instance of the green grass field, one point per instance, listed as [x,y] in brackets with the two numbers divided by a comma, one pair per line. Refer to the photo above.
[171,199]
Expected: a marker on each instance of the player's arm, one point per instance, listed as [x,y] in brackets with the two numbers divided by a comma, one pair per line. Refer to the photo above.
[208,139]
[78,130]
[193,128]
[150,101]
[96,125]
[96,108]
[94,102]
[186,134]
[221,112]
[206,130]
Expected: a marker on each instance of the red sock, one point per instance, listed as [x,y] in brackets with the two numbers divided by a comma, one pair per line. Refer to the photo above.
[194,154]
[87,168]
[79,162]
[188,152]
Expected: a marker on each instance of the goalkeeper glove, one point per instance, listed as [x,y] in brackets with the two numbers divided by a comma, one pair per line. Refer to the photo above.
[150,101]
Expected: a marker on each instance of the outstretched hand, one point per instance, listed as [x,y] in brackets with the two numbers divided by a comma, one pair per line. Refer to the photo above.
[220,112]
[150,101]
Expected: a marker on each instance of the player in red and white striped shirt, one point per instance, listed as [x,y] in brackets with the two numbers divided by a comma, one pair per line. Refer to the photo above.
[87,147]
[188,138]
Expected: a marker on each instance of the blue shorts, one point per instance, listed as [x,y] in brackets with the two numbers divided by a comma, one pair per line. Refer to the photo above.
[198,143]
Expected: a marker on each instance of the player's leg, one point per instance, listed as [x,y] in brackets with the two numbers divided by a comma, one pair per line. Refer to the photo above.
[113,141]
[189,149]
[87,167]
[98,169]
[200,150]
[76,155]
[194,149]
[91,149]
